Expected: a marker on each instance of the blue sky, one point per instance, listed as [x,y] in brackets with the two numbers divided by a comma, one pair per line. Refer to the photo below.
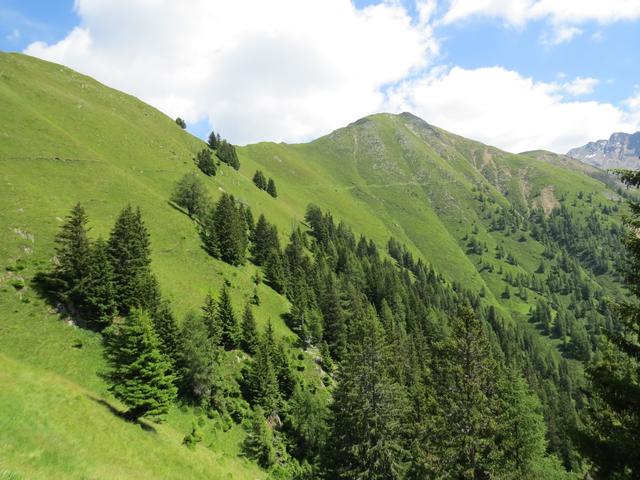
[520,50]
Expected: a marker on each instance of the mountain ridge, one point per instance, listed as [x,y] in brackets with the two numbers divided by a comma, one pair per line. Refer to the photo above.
[620,150]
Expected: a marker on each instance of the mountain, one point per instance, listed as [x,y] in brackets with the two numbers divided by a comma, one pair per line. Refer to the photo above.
[622,150]
[520,235]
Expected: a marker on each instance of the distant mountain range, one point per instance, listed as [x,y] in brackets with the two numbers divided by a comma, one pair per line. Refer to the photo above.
[622,150]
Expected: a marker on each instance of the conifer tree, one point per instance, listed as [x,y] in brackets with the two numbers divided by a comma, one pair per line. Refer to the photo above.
[129,251]
[98,289]
[366,439]
[259,442]
[166,327]
[205,162]
[230,231]
[211,320]
[334,321]
[227,320]
[197,359]
[260,378]
[271,188]
[259,180]
[73,248]
[265,239]
[227,153]
[464,430]
[275,273]
[249,331]
[139,374]
[212,141]
[282,366]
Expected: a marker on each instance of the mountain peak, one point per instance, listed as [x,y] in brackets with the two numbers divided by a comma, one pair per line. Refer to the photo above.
[621,150]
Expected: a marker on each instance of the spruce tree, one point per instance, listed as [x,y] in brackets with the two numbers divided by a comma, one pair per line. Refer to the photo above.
[212,141]
[166,327]
[227,320]
[368,411]
[98,289]
[271,188]
[275,273]
[230,231]
[139,375]
[249,331]
[463,432]
[259,180]
[258,444]
[129,251]
[211,320]
[227,153]
[334,332]
[265,239]
[205,162]
[197,361]
[73,249]
[261,380]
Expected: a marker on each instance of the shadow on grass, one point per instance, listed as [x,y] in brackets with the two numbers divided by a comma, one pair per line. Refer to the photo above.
[146,426]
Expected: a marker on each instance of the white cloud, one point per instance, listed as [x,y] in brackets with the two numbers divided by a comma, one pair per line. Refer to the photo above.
[580,86]
[286,70]
[564,15]
[501,107]
[561,34]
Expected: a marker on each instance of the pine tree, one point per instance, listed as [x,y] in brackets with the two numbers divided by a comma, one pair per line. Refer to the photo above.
[284,373]
[265,239]
[129,251]
[271,188]
[258,444]
[181,123]
[139,374]
[227,154]
[211,320]
[191,194]
[368,411]
[212,141]
[249,331]
[521,428]
[230,231]
[259,180]
[334,321]
[227,320]
[275,273]
[73,249]
[205,162]
[197,361]
[98,289]
[166,327]
[463,432]
[260,378]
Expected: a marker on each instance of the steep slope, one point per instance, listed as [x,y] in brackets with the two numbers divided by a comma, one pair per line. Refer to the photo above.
[621,150]
[397,175]
[467,208]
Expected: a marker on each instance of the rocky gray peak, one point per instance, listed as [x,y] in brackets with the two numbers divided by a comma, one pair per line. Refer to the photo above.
[622,150]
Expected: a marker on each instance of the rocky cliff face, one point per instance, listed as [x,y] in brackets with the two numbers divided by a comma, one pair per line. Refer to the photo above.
[622,150]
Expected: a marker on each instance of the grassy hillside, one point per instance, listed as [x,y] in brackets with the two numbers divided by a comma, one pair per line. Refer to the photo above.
[66,138]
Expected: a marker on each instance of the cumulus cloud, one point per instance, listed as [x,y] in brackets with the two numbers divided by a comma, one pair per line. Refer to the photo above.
[503,108]
[286,70]
[563,15]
